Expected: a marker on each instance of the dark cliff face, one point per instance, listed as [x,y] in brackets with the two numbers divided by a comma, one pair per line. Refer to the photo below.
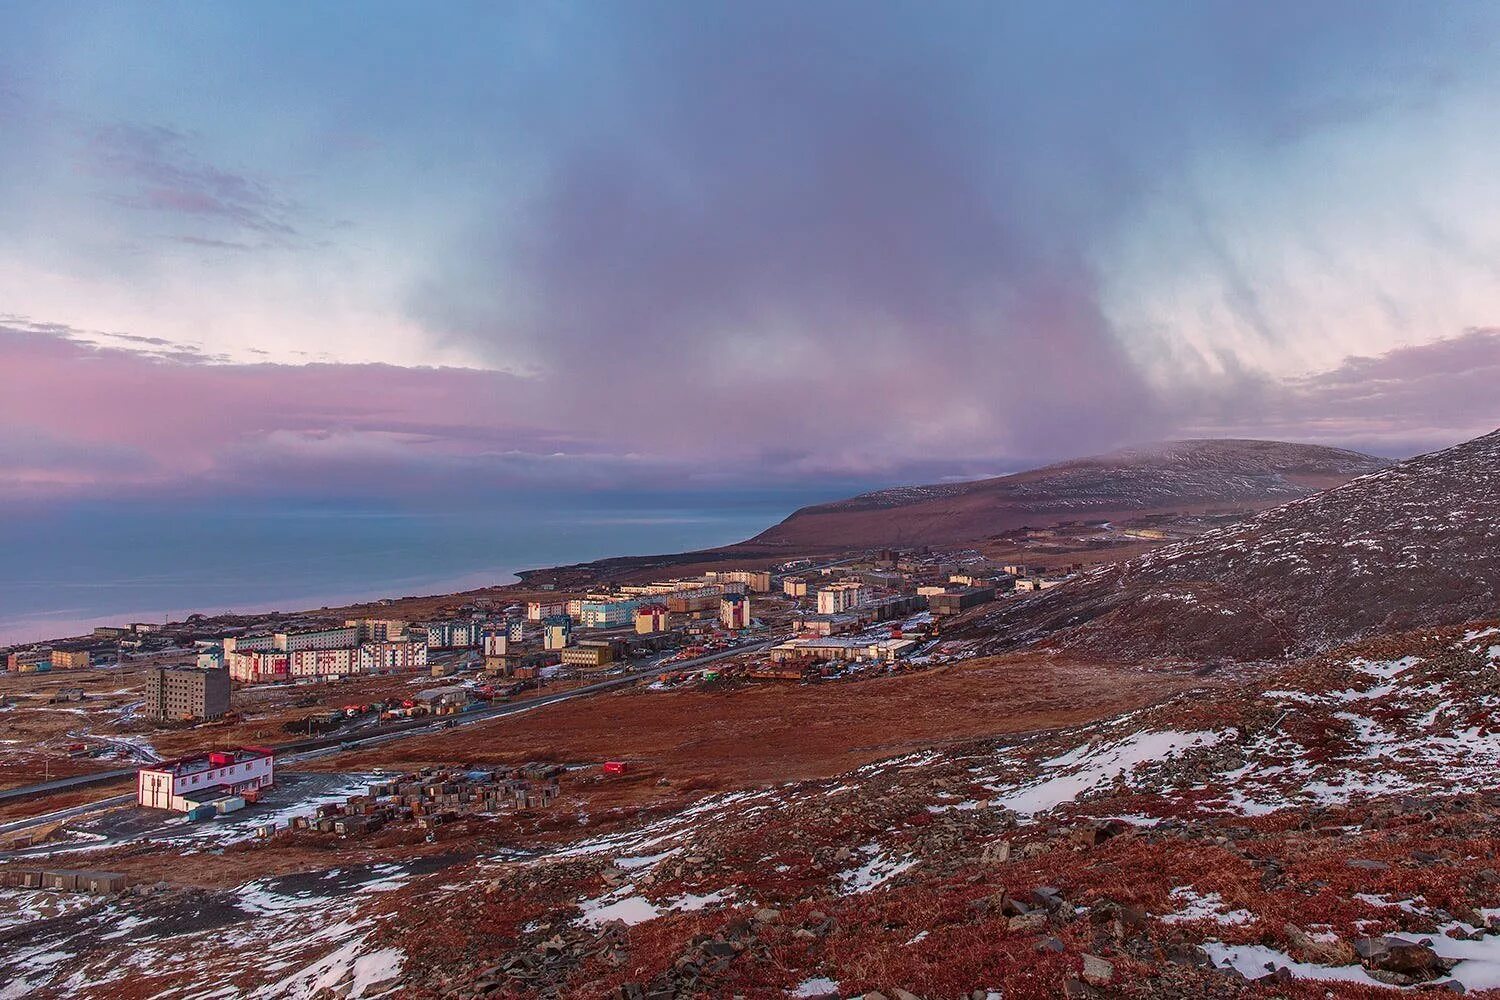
[1173,475]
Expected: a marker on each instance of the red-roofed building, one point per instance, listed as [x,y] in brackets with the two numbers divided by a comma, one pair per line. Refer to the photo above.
[186,782]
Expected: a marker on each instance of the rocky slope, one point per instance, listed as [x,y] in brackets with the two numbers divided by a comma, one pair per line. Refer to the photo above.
[1412,545]
[1324,830]
[1172,476]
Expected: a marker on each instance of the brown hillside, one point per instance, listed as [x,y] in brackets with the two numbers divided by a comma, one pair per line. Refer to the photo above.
[1197,476]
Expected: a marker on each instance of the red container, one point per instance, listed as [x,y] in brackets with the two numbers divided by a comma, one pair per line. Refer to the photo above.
[614,767]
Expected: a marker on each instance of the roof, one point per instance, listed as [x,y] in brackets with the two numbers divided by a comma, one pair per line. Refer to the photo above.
[199,762]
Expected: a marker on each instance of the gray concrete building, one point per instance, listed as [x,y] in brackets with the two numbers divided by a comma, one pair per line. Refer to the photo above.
[174,693]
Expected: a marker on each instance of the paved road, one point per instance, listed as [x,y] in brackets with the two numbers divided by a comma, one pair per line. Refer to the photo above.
[420,728]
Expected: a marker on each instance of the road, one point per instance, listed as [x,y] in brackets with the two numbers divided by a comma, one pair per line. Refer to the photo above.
[420,728]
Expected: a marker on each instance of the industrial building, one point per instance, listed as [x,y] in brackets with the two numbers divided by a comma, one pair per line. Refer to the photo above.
[184,693]
[958,601]
[842,648]
[188,782]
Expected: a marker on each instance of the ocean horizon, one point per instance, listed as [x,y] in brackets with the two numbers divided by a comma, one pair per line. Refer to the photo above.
[70,567]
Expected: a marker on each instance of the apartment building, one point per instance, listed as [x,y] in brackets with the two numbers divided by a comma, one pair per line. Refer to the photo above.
[174,693]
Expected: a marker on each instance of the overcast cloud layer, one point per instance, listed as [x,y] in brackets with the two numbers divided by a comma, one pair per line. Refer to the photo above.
[575,245]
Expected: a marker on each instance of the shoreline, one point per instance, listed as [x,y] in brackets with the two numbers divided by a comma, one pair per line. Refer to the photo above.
[561,577]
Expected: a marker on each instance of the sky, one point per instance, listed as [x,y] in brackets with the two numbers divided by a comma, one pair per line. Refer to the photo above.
[402,249]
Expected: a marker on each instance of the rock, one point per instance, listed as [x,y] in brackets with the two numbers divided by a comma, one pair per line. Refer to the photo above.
[1372,866]
[1414,959]
[767,916]
[1097,971]
[875,995]
[1305,948]
[1076,989]
[901,994]
[996,853]
[1052,944]
[1027,923]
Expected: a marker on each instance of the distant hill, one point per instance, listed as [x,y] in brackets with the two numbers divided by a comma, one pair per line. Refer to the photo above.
[1413,545]
[1200,475]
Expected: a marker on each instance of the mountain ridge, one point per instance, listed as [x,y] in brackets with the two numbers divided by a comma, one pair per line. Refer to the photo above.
[1202,474]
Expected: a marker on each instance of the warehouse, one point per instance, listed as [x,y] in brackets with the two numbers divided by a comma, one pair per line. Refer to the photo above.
[842,648]
[958,601]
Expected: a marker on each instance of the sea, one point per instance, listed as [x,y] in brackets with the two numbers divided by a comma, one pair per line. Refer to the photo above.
[67,567]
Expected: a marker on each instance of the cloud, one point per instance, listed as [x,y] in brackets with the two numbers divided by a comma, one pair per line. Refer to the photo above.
[156,169]
[81,419]
[716,243]
[1407,400]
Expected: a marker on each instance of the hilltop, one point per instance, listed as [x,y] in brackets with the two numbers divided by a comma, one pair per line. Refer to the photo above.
[1416,544]
[1172,476]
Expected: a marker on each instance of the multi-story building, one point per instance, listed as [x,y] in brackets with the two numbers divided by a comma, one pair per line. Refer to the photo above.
[496,643]
[456,633]
[186,693]
[211,658]
[734,611]
[758,581]
[609,613]
[651,618]
[187,782]
[323,662]
[840,597]
[70,659]
[338,637]
[257,666]
[392,657]
[557,632]
[379,629]
[516,630]
[248,643]
[27,660]
[538,610]
[794,586]
[588,654]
